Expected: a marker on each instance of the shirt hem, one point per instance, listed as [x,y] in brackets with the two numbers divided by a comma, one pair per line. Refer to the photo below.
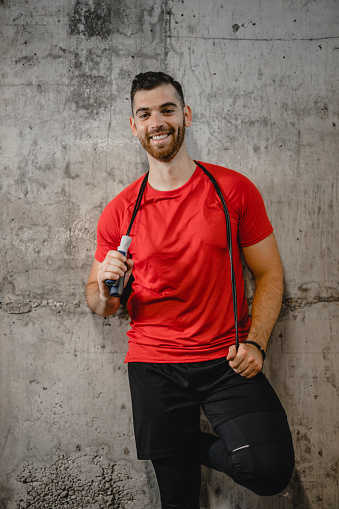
[183,359]
[257,239]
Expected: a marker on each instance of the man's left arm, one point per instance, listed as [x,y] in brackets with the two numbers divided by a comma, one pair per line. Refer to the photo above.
[263,260]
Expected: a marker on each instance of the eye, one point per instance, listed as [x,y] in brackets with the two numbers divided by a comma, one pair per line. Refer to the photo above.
[168,111]
[143,116]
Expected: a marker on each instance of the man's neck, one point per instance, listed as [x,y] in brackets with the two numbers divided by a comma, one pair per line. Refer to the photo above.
[172,175]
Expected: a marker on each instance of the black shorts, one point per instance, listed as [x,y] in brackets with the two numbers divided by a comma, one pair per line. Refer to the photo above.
[166,402]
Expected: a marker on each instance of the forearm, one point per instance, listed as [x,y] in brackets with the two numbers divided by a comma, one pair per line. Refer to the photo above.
[264,262]
[100,305]
[266,307]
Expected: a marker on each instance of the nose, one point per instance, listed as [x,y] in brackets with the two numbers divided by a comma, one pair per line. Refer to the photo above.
[156,121]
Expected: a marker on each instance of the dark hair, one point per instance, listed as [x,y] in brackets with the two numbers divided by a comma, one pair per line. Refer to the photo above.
[149,80]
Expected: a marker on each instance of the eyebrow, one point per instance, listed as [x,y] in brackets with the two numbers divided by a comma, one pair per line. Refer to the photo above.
[162,106]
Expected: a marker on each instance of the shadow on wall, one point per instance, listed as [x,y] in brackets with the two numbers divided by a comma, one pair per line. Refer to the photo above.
[299,498]
[239,498]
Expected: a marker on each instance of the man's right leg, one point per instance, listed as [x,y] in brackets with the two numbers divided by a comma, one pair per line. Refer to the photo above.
[166,415]
[179,481]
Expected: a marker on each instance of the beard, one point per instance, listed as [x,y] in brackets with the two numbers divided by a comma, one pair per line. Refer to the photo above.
[164,152]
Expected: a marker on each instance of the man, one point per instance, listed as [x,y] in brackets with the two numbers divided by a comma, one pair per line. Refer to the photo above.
[182,354]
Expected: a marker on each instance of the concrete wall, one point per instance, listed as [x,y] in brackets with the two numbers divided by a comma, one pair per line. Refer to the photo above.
[262,79]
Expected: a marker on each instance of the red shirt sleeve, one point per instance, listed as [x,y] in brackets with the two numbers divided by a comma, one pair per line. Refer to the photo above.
[254,224]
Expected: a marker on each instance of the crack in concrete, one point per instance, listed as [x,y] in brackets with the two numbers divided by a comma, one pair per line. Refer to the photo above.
[237,39]
[298,303]
[24,307]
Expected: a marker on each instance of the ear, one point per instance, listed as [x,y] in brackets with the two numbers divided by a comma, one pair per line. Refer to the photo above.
[187,116]
[133,127]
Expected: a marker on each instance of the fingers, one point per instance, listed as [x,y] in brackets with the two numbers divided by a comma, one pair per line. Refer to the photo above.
[114,266]
[248,372]
[232,352]
[247,362]
[129,264]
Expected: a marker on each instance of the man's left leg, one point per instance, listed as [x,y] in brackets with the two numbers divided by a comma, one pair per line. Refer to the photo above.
[254,445]
[255,450]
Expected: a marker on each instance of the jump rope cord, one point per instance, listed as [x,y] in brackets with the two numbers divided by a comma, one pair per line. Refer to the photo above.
[230,250]
[228,232]
[137,203]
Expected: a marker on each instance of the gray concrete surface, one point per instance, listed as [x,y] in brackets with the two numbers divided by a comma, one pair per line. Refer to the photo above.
[262,79]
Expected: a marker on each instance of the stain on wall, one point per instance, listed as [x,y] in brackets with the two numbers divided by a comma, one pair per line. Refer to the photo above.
[92,19]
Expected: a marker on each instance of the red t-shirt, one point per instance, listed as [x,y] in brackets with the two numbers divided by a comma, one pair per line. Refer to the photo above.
[181,306]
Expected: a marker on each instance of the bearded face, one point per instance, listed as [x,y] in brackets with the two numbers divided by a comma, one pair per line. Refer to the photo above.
[159,120]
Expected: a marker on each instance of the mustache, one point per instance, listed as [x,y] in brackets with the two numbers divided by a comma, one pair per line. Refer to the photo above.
[163,130]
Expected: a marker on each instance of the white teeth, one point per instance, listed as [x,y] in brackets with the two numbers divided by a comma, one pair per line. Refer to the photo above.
[160,137]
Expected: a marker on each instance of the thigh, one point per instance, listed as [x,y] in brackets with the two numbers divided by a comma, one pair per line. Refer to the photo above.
[230,395]
[165,411]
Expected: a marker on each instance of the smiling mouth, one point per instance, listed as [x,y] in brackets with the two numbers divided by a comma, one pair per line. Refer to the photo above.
[159,137]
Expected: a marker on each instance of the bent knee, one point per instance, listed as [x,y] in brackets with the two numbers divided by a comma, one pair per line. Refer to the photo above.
[265,469]
[269,485]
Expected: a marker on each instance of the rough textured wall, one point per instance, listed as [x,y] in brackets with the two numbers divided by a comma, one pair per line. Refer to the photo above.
[262,79]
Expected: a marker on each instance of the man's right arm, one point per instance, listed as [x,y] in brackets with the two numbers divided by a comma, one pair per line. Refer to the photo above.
[97,292]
